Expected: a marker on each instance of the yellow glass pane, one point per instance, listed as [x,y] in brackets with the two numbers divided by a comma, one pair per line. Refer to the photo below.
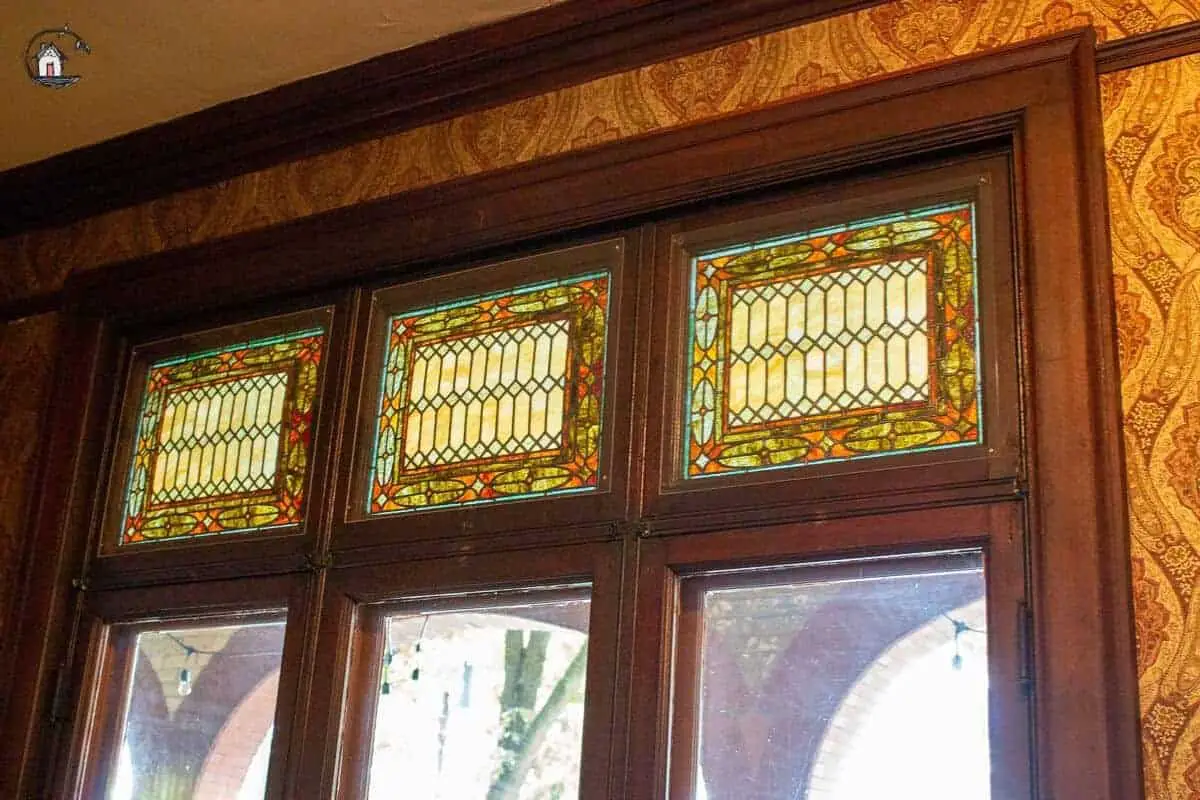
[762,342]
[513,366]
[204,422]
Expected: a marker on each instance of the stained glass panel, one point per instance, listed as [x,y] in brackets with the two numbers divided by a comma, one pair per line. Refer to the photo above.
[223,440]
[492,398]
[852,341]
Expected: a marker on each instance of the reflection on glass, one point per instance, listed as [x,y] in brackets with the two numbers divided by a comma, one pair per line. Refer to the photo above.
[846,681]
[483,703]
[200,713]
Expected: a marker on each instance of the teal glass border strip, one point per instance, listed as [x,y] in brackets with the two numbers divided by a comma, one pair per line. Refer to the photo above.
[246,345]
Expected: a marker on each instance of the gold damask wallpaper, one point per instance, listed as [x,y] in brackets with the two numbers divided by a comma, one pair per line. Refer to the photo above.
[1152,133]
[1152,128]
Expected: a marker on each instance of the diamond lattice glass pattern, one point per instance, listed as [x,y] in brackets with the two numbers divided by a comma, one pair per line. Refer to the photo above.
[223,440]
[492,398]
[219,439]
[500,393]
[846,342]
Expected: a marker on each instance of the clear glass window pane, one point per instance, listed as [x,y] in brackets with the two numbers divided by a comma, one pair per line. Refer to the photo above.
[200,713]
[845,681]
[485,702]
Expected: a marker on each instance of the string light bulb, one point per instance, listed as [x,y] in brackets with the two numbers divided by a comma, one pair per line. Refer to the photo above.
[386,687]
[185,682]
[960,627]
[184,687]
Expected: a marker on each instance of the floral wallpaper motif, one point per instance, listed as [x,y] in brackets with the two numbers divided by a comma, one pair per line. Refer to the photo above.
[1152,138]
[785,65]
[1152,132]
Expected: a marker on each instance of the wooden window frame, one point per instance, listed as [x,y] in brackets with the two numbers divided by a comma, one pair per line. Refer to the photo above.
[110,622]
[667,760]
[358,595]
[127,346]
[606,502]
[992,464]
[1039,102]
[126,429]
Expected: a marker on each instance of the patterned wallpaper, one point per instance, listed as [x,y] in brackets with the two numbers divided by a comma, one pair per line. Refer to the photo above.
[1152,134]
[1152,126]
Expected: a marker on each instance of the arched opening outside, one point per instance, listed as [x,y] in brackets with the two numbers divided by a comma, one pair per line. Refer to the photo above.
[916,722]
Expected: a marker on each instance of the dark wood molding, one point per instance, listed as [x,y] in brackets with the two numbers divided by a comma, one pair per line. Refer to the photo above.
[30,306]
[1147,48]
[531,54]
[42,652]
[469,71]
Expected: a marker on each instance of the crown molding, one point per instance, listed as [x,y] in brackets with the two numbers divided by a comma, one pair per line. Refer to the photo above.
[1148,48]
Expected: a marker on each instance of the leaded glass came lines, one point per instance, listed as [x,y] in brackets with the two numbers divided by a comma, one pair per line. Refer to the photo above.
[851,341]
[220,439]
[497,394]
[492,398]
[837,341]
[223,440]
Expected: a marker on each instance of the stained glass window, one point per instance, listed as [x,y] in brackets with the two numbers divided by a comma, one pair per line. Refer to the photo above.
[223,440]
[492,398]
[846,342]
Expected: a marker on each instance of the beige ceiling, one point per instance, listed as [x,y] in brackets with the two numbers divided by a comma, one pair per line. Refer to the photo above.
[152,60]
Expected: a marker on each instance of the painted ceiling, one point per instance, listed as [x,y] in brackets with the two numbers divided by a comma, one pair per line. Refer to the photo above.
[150,62]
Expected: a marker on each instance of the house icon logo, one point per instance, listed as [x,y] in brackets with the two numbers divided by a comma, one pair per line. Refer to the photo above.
[45,57]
